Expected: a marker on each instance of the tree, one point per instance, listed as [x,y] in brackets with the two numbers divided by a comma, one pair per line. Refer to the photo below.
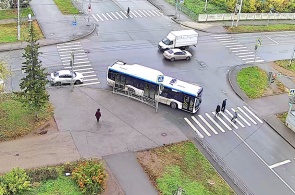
[3,74]
[33,94]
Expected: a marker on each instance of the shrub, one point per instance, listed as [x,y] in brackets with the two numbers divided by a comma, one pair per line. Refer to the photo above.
[90,176]
[15,182]
[42,174]
[69,167]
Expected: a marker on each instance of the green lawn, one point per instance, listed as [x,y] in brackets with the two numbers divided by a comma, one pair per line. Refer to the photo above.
[8,33]
[285,64]
[253,81]
[269,28]
[182,165]
[66,7]
[12,13]
[282,117]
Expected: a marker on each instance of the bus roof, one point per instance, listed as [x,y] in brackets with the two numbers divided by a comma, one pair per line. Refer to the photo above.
[151,75]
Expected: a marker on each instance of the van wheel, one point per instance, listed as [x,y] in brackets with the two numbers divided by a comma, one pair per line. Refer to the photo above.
[172,59]
[173,105]
[188,58]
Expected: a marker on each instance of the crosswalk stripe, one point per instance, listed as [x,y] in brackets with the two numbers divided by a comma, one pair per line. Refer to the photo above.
[124,14]
[142,13]
[235,126]
[146,13]
[228,127]
[100,17]
[95,17]
[215,123]
[91,79]
[217,36]
[237,120]
[240,116]
[110,16]
[69,43]
[250,52]
[78,70]
[150,12]
[78,66]
[156,13]
[75,59]
[236,48]
[224,39]
[88,72]
[240,50]
[212,129]
[70,46]
[248,59]
[119,15]
[76,56]
[194,128]
[232,40]
[200,125]
[131,13]
[86,76]
[247,115]
[246,56]
[104,16]
[84,84]
[70,51]
[114,15]
[253,114]
[230,43]
[137,13]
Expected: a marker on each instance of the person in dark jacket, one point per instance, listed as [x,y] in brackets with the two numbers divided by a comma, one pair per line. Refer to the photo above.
[98,115]
[128,11]
[217,110]
[223,105]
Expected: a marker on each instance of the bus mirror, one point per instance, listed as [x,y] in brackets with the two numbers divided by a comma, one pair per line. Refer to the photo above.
[161,88]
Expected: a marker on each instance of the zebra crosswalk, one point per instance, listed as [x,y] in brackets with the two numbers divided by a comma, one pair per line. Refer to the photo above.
[236,48]
[120,15]
[211,124]
[81,61]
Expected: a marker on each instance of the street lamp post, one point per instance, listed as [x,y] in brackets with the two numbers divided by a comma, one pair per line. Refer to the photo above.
[18,21]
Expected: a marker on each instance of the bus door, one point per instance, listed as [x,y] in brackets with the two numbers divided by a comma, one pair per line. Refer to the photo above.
[120,81]
[188,103]
[149,90]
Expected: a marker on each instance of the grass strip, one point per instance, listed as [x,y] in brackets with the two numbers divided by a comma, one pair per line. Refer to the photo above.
[66,7]
[12,13]
[261,28]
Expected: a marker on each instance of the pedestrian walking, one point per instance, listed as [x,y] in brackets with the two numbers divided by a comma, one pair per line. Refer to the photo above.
[235,116]
[217,111]
[98,115]
[128,11]
[223,105]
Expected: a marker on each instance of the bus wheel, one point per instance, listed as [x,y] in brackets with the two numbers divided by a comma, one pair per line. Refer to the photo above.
[173,105]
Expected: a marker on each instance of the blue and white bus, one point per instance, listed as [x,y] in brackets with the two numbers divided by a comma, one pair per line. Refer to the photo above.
[142,81]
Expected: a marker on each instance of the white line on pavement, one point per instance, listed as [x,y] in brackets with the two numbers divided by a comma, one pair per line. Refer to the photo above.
[212,129]
[114,15]
[229,128]
[104,16]
[232,45]
[92,75]
[215,123]
[156,13]
[194,128]
[110,16]
[84,84]
[253,114]
[240,50]
[279,164]
[146,13]
[200,125]
[119,15]
[247,115]
[236,118]
[246,55]
[151,12]
[250,52]
[271,39]
[141,13]
[236,48]
[100,17]
[235,126]
[95,17]
[240,116]
[91,79]
[124,14]
[137,13]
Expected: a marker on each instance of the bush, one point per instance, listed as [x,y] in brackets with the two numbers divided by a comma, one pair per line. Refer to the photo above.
[90,176]
[15,182]
[42,174]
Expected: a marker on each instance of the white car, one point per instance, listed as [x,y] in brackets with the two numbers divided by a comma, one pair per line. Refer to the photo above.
[65,77]
[177,54]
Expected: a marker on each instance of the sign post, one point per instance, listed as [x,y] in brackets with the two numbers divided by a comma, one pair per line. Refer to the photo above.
[160,79]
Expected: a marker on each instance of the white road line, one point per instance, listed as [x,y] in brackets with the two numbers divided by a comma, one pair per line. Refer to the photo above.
[156,13]
[92,75]
[235,126]
[95,17]
[244,53]
[240,116]
[84,62]
[212,129]
[231,40]
[240,50]
[78,66]
[100,17]
[232,45]
[104,16]
[194,128]
[264,162]
[131,13]
[216,36]
[71,47]
[119,15]
[236,48]
[88,72]
[137,13]
[247,115]
[65,46]
[271,39]
[124,14]
[110,16]
[148,15]
[253,114]
[248,59]
[95,79]
[76,56]
[141,13]
[84,84]
[78,70]
[70,43]
[228,127]
[114,15]
[279,164]
[241,124]
[76,59]
[215,123]
[224,39]
[200,125]
[150,12]
[69,51]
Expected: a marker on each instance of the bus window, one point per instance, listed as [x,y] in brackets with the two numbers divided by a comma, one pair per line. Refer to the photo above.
[123,79]
[191,104]
[185,102]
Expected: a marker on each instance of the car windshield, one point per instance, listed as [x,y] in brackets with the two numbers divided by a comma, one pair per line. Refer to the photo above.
[56,74]
[170,51]
[167,41]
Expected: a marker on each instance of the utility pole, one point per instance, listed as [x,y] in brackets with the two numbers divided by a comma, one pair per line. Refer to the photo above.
[18,21]
[89,10]
[291,60]
[205,9]
[176,8]
[240,8]
[72,70]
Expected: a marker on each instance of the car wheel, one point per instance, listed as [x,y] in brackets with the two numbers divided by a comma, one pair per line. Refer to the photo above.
[188,58]
[131,91]
[172,59]
[173,105]
[58,83]
[77,82]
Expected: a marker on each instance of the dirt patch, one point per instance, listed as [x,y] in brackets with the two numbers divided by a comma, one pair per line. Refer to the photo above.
[48,127]
[283,70]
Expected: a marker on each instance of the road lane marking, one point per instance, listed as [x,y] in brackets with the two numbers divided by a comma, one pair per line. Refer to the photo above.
[253,114]
[235,126]
[146,13]
[237,120]
[233,45]
[114,15]
[212,129]
[137,13]
[95,17]
[110,16]
[119,15]
[250,52]
[229,128]
[156,13]
[240,50]
[264,161]
[240,116]
[194,128]
[271,39]
[124,14]
[151,12]
[100,17]
[104,16]
[236,48]
[279,164]
[84,84]
[246,55]
[247,115]
[215,123]
[200,125]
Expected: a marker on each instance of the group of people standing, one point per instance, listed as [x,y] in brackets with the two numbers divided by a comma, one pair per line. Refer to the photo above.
[222,109]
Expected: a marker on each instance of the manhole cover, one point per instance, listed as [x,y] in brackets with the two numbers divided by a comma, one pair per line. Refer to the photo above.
[164,134]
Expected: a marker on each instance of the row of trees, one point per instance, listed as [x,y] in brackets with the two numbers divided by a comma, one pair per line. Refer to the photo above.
[257,6]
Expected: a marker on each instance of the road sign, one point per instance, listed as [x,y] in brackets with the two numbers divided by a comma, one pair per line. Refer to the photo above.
[259,42]
[160,78]
[181,1]
[292,92]
[74,23]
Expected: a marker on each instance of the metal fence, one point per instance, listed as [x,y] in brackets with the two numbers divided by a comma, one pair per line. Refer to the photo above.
[237,181]
[188,12]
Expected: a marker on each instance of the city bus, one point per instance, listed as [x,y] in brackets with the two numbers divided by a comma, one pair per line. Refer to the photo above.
[142,81]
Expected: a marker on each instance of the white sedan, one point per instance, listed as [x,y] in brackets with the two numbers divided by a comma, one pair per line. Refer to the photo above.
[177,54]
[65,77]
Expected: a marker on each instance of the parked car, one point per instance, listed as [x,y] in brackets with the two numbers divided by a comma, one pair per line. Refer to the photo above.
[23,3]
[66,77]
[177,54]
